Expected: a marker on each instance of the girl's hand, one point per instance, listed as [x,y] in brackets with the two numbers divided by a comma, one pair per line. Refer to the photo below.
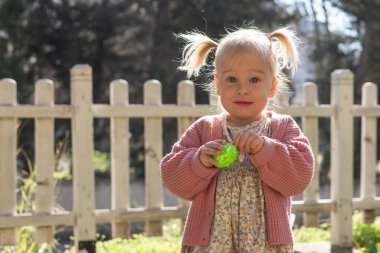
[249,142]
[208,150]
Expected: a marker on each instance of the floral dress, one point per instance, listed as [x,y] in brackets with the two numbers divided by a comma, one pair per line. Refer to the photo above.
[239,220]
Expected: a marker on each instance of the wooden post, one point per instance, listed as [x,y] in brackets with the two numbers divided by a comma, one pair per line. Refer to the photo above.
[8,149]
[368,151]
[44,159]
[310,129]
[120,157]
[342,160]
[185,96]
[83,168]
[153,156]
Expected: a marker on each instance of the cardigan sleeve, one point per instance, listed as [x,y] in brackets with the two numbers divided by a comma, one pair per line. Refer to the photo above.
[285,162]
[181,170]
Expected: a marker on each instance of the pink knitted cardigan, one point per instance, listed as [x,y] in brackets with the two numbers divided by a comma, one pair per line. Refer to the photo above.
[285,165]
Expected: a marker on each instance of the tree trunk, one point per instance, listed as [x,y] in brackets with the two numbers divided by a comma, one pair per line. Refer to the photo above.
[365,57]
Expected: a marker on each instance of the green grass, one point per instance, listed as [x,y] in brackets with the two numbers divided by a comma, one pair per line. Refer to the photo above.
[170,242]
[365,237]
[140,244]
[310,234]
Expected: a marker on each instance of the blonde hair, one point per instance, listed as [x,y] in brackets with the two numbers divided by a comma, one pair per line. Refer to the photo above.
[278,49]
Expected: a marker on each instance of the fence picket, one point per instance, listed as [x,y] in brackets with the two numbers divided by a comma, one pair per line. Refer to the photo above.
[44,158]
[153,156]
[8,146]
[83,168]
[120,157]
[368,151]
[310,129]
[341,166]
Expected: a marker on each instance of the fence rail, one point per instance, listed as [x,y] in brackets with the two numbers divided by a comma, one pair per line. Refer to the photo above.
[82,112]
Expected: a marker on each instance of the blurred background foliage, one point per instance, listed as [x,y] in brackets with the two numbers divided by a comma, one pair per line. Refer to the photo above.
[134,40]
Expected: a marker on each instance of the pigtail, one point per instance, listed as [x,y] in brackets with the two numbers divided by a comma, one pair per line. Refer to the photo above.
[287,54]
[195,52]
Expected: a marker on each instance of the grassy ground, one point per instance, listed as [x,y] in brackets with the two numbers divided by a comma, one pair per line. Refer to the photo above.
[366,238]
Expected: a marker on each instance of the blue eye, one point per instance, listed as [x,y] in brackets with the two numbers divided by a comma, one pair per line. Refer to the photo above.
[254,80]
[231,79]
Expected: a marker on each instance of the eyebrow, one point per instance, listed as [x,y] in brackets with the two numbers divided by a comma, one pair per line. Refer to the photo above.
[251,70]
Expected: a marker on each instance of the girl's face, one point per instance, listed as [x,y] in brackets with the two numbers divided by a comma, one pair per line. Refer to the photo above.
[244,85]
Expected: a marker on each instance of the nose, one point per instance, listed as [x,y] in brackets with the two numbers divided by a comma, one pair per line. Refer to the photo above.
[242,88]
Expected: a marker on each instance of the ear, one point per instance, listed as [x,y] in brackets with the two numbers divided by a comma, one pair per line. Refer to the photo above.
[216,82]
[273,88]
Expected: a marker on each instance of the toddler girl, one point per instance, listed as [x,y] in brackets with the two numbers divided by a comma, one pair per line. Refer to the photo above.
[244,207]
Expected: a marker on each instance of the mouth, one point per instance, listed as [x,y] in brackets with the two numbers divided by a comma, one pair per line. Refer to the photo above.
[243,103]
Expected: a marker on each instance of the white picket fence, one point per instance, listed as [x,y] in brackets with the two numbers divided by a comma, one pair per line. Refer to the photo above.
[82,112]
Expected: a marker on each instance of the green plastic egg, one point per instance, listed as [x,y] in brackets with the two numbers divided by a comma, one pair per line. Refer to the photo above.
[227,155]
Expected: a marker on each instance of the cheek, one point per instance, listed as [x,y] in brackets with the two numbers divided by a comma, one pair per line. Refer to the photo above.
[224,90]
[265,89]
[260,90]
[219,89]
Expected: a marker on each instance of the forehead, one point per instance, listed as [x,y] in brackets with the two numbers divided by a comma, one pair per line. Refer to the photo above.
[230,57]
